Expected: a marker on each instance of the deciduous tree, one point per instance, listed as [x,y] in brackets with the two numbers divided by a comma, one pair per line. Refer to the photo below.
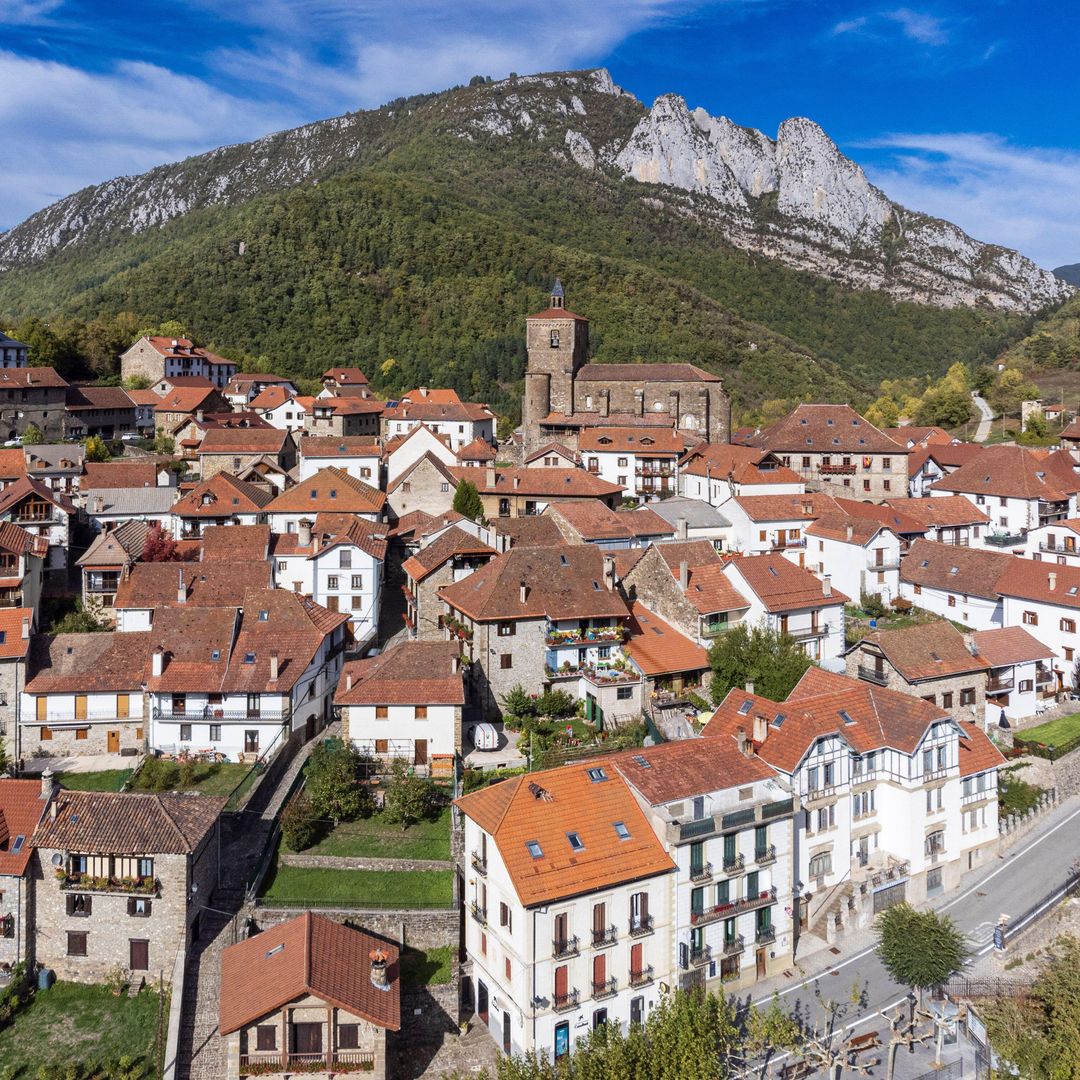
[773,662]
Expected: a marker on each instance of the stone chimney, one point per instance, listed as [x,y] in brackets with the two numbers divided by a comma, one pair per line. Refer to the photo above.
[609,572]
[273,665]
[523,590]
[749,686]
[517,482]
[199,416]
[489,477]
[826,584]
[680,528]
[25,628]
[761,729]
[157,664]
[348,681]
[850,532]
[455,664]
[684,575]
[378,970]
[639,402]
[181,589]
[303,532]
[48,784]
[743,743]
[1051,580]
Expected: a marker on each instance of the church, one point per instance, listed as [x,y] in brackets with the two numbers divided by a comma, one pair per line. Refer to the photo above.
[565,394]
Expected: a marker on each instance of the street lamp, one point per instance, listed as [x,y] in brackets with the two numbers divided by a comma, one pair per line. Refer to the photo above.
[911,999]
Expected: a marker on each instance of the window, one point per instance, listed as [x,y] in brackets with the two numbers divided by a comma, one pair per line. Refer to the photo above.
[866,485]
[1030,618]
[332,581]
[622,831]
[406,486]
[967,697]
[506,661]
[506,969]
[812,778]
[76,942]
[507,629]
[215,733]
[1068,626]
[1026,686]
[947,699]
[806,463]
[554,339]
[886,464]
[887,485]
[1068,653]
[826,818]
[483,944]
[348,1037]
[934,799]
[382,712]
[624,693]
[506,917]
[444,486]
[576,843]
[917,590]
[827,774]
[345,559]
[81,733]
[952,601]
[79,905]
[821,865]
[357,581]
[622,463]
[935,842]
[144,868]
[185,733]
[535,850]
[357,603]
[45,734]
[139,906]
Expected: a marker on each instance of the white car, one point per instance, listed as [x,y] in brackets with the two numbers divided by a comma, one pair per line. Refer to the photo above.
[17,441]
[131,437]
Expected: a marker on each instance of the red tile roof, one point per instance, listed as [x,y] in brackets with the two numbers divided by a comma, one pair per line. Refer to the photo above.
[350,375]
[221,496]
[410,673]
[897,520]
[478,450]
[345,406]
[572,457]
[748,465]
[191,638]
[12,643]
[329,489]
[1013,472]
[947,457]
[21,807]
[1050,583]
[628,440]
[18,541]
[426,393]
[781,586]
[97,397]
[542,807]
[453,542]
[213,584]
[931,651]
[308,955]
[546,483]
[14,494]
[967,571]
[846,528]
[87,663]
[1009,645]
[433,412]
[243,441]
[557,313]
[977,753]
[942,511]
[918,436]
[658,648]
[31,376]
[119,474]
[826,429]
[528,531]
[271,397]
[804,507]
[235,543]
[12,463]
[184,399]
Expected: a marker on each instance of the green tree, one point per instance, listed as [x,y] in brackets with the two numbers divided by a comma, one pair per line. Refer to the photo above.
[409,798]
[299,823]
[136,382]
[774,662]
[1009,389]
[333,782]
[518,702]
[467,501]
[920,949]
[96,450]
[78,621]
[1039,1034]
[884,412]
[32,435]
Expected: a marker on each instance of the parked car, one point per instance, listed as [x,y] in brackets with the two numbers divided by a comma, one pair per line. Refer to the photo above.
[131,437]
[484,737]
[17,441]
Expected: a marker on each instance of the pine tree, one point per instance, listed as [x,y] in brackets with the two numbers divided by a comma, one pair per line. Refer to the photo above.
[467,501]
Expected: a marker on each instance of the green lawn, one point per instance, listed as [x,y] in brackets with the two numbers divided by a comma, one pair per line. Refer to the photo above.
[85,1025]
[1053,732]
[297,886]
[430,968]
[377,838]
[208,779]
[107,780]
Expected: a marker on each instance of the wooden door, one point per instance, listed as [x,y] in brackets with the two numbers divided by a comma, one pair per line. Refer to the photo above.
[420,752]
[307,1038]
[138,954]
[561,932]
[562,983]
[113,742]
[506,1033]
[80,706]
[42,709]
[123,706]
[761,963]
[482,1000]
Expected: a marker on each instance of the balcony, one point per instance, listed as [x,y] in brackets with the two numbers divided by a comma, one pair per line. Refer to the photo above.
[872,675]
[602,938]
[606,989]
[646,470]
[700,957]
[765,855]
[597,675]
[1043,676]
[72,881]
[339,1061]
[733,908]
[1000,684]
[641,927]
[808,632]
[764,934]
[837,470]
[565,1002]
[210,714]
[890,562]
[560,949]
[701,873]
[1001,539]
[1057,549]
[601,635]
[733,864]
[642,977]
[478,913]
[479,864]
[819,793]
[678,832]
[787,544]
[733,946]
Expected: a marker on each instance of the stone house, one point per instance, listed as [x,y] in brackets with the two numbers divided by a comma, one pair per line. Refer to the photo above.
[509,492]
[406,703]
[98,410]
[183,402]
[32,395]
[933,662]
[453,555]
[155,358]
[832,448]
[121,879]
[21,808]
[228,449]
[83,695]
[103,562]
[427,484]
[188,434]
[306,992]
[15,627]
[341,416]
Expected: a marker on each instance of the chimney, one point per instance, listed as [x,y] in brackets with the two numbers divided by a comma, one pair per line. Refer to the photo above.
[455,664]
[378,970]
[826,584]
[303,532]
[1051,580]
[761,729]
[181,589]
[684,575]
[273,665]
[199,414]
[517,482]
[489,477]
[423,391]
[99,505]
[524,590]
[609,572]
[680,528]
[743,743]
[48,784]
[25,628]
[850,532]
[639,402]
[158,662]
[348,681]
[749,686]
[605,402]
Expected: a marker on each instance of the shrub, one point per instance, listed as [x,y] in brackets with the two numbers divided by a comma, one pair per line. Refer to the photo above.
[187,773]
[556,704]
[409,798]
[157,774]
[871,603]
[902,605]
[299,823]
[516,702]
[334,784]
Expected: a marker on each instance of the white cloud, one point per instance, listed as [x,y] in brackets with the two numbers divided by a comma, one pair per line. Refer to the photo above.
[19,12]
[919,26]
[1020,197]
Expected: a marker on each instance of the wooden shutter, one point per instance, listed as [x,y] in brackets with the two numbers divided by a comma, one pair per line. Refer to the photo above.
[42,709]
[561,981]
[561,929]
[599,970]
[80,706]
[599,920]
[636,952]
[123,706]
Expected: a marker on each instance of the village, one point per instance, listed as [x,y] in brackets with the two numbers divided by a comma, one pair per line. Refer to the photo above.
[379,743]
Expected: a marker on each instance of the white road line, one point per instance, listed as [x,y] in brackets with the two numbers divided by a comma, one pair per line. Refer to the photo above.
[814,978]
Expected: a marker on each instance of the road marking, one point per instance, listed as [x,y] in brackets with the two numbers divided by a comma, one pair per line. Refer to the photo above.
[814,978]
[1011,859]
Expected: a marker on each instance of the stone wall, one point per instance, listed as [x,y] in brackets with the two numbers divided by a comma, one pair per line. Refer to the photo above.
[527,650]
[652,582]
[430,607]
[423,490]
[65,743]
[142,360]
[16,902]
[429,929]
[12,678]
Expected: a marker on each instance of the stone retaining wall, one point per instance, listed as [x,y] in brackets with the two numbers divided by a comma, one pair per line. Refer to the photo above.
[427,929]
[346,862]
[1016,826]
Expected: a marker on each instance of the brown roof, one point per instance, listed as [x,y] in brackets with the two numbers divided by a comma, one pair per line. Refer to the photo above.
[930,651]
[742,464]
[21,807]
[185,399]
[241,441]
[14,494]
[478,450]
[543,483]
[900,523]
[118,547]
[593,520]
[184,347]
[1009,645]
[312,446]
[847,528]
[826,429]
[977,752]
[1050,583]
[335,529]
[628,440]
[1013,472]
[645,373]
[18,541]
[965,570]
[694,552]
[780,585]
[557,313]
[308,955]
[561,582]
[329,489]
[221,496]
[530,530]
[119,474]
[12,463]
[947,457]
[196,642]
[30,376]
[97,397]
[345,375]
[941,511]
[344,405]
[86,663]
[579,420]
[200,381]
[410,673]
[434,411]
[129,823]
[241,419]
[556,449]
[543,807]
[658,648]
[786,507]
[918,436]
[271,397]
[212,584]
[235,543]
[451,543]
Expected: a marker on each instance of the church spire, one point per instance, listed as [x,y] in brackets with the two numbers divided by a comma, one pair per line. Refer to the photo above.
[557,294]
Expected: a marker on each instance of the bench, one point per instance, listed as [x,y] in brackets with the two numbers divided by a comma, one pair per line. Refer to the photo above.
[870,1041]
[796,1071]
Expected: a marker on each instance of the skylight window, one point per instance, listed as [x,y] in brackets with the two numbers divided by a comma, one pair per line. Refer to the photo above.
[596,586]
[846,716]
[249,658]
[639,759]
[597,775]
[274,950]
[563,561]
[773,571]
[829,421]
[925,563]
[264,615]
[333,493]
[535,850]
[622,831]
[954,569]
[745,707]
[1071,590]
[18,845]
[778,720]
[576,843]
[215,654]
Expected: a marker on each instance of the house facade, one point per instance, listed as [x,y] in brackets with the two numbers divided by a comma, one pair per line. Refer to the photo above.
[154,358]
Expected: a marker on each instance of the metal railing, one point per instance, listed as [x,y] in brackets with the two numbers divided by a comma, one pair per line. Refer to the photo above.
[872,675]
[565,947]
[1003,682]
[765,855]
[478,864]
[700,957]
[642,926]
[701,873]
[602,938]
[734,945]
[733,865]
[764,934]
[1004,539]
[606,989]
[478,913]
[734,907]
[565,1002]
[642,977]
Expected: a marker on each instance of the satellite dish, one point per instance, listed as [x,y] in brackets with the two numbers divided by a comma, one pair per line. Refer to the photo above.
[57,859]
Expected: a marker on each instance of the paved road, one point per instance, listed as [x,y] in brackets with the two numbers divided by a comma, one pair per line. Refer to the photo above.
[986,414]
[1011,885]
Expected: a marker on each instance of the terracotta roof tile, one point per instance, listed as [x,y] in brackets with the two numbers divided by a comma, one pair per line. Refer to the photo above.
[196,644]
[544,483]
[271,397]
[410,673]
[742,464]
[528,531]
[14,494]
[478,450]
[786,507]
[1013,472]
[918,436]
[895,519]
[658,648]
[21,807]
[557,313]
[329,489]
[87,663]
[946,457]
[308,955]
[12,464]
[185,399]
[846,528]
[241,441]
[222,496]
[942,511]
[1050,583]
[542,807]
[571,457]
[31,376]
[426,393]
[631,440]
[977,752]
[969,571]
[435,412]
[18,541]
[825,429]
[780,585]
[349,375]
[12,642]
[451,543]
[118,474]
[213,584]
[1009,645]
[930,651]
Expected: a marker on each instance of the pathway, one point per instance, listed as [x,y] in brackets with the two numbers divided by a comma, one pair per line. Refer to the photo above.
[986,418]
[201,1052]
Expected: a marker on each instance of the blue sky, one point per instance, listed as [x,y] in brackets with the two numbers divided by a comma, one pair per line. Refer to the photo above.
[965,110]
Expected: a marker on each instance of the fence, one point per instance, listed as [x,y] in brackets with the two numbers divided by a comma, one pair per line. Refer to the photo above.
[953,1070]
[1052,899]
[1050,751]
[988,987]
